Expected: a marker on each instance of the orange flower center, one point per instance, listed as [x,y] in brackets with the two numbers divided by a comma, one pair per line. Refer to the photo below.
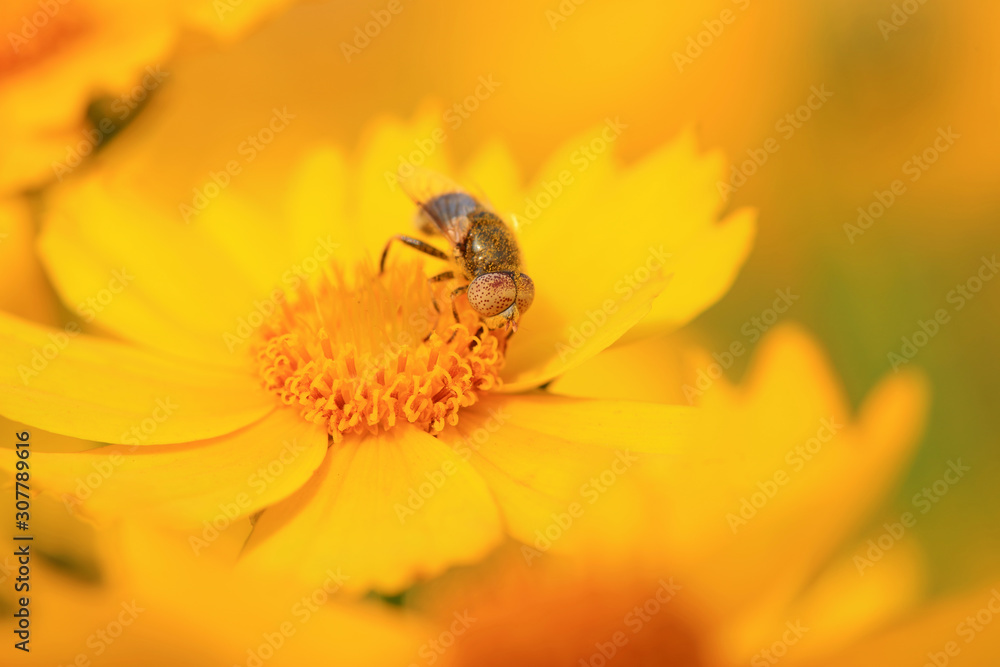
[362,353]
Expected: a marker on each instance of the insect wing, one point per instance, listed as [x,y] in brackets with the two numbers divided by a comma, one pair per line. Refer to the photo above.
[445,205]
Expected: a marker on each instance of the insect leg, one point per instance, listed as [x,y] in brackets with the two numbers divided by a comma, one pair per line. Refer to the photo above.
[422,246]
[454,311]
[447,275]
[454,295]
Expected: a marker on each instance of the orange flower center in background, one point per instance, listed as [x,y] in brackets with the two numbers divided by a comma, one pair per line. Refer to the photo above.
[362,353]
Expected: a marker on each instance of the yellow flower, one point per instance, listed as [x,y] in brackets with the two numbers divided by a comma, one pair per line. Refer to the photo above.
[59,55]
[324,417]
[743,546]
[148,600]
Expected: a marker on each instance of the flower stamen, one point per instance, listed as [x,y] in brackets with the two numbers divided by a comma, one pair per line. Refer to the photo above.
[354,353]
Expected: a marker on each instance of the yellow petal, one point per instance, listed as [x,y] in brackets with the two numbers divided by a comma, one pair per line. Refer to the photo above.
[556,463]
[234,612]
[152,280]
[70,383]
[385,510]
[215,480]
[382,207]
[495,167]
[228,21]
[957,630]
[24,290]
[701,275]
[157,603]
[597,223]
[555,336]
[840,608]
[644,370]
[789,447]
[844,607]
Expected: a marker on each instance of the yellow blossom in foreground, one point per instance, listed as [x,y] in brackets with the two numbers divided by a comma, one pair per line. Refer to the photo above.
[150,601]
[741,560]
[247,378]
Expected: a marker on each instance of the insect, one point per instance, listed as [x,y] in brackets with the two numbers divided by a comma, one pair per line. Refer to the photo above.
[484,250]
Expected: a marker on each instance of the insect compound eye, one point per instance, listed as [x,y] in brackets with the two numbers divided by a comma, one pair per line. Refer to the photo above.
[492,293]
[525,292]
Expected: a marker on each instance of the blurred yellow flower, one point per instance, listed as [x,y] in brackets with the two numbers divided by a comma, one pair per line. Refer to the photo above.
[151,601]
[957,630]
[198,435]
[740,560]
[59,55]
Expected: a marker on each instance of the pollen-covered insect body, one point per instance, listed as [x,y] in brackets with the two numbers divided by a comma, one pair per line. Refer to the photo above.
[484,249]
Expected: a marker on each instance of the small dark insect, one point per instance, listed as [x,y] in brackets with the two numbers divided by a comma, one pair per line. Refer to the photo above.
[484,250]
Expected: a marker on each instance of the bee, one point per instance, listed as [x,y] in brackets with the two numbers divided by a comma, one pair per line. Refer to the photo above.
[483,250]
